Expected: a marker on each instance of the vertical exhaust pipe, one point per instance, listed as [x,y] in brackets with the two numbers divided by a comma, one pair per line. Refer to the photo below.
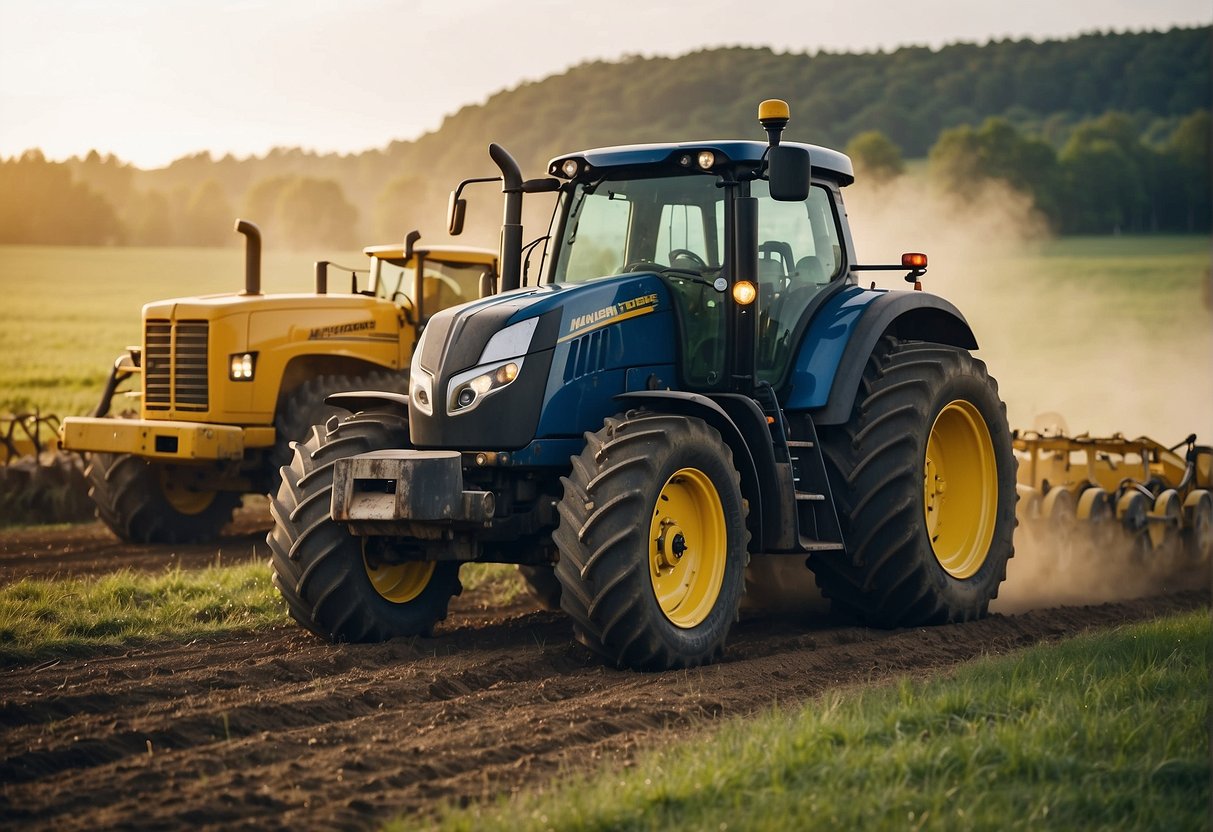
[252,256]
[511,226]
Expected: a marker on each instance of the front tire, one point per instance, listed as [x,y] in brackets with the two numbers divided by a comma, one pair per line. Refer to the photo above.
[152,502]
[652,542]
[331,585]
[924,478]
[304,407]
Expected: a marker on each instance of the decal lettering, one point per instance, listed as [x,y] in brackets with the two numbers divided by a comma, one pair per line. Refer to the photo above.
[601,317]
[336,330]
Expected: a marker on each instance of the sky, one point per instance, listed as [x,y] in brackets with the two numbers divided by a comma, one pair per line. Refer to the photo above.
[154,80]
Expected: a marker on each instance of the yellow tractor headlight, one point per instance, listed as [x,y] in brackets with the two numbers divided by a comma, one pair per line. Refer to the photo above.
[241,366]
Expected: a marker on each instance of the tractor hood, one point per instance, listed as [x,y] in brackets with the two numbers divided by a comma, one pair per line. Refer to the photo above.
[502,348]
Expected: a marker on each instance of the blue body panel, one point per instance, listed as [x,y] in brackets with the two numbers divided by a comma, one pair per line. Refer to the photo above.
[615,334]
[820,353]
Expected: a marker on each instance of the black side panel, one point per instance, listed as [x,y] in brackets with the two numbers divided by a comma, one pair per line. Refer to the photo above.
[508,420]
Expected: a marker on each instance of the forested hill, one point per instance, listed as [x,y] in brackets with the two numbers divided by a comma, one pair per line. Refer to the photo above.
[910,95]
[1047,91]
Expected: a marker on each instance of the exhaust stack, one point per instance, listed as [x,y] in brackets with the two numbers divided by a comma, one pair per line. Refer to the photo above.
[511,227]
[252,256]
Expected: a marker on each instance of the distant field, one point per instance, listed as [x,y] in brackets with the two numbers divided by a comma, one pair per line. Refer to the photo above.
[1111,331]
[1114,333]
[69,311]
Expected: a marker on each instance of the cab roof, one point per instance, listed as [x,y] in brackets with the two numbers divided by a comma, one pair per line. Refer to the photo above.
[448,254]
[827,163]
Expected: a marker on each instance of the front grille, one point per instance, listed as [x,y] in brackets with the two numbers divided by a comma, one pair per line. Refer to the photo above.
[174,365]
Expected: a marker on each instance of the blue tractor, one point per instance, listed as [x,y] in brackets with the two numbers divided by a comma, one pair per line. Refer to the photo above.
[692,378]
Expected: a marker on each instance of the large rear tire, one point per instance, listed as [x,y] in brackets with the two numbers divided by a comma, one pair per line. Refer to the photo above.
[330,585]
[924,478]
[153,502]
[652,542]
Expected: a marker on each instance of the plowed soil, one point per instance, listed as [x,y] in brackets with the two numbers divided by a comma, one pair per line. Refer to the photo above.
[278,729]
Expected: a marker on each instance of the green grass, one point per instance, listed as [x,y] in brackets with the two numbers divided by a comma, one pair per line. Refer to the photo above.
[1104,731]
[41,619]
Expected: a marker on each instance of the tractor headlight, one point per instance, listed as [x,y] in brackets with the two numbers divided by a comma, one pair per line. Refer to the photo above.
[241,366]
[468,388]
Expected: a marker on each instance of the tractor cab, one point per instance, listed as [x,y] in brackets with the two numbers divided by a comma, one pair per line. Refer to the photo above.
[441,276]
[669,210]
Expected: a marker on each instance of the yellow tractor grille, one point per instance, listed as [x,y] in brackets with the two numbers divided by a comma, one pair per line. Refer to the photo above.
[174,365]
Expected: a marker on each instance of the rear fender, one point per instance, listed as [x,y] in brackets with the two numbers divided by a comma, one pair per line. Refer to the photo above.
[743,428]
[838,344]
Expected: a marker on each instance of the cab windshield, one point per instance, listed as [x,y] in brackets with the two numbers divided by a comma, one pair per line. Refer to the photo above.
[445,283]
[674,226]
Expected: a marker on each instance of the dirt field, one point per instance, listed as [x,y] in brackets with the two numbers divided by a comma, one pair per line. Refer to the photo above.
[278,729]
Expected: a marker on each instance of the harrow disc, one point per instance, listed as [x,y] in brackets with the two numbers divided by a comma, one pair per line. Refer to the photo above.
[1198,525]
[1166,521]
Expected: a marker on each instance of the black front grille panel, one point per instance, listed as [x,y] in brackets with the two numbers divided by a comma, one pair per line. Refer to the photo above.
[174,365]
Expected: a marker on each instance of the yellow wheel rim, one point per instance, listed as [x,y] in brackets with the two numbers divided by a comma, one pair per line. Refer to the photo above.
[399,582]
[960,487]
[174,485]
[688,545]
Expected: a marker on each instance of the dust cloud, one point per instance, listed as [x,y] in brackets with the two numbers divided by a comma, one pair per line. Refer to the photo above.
[1109,357]
[1051,569]
[1096,354]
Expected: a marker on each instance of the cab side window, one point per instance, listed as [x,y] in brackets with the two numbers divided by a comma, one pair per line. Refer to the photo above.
[800,253]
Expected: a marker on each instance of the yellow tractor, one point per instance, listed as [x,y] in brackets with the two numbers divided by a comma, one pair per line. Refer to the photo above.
[227,382]
[1115,494]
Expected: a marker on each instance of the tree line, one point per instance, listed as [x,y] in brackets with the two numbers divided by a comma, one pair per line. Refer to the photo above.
[1106,179]
[1106,132]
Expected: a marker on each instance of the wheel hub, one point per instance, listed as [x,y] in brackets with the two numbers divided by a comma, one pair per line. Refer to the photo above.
[671,545]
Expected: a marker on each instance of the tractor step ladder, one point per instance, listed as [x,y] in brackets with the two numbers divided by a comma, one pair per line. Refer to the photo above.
[817,520]
[818,529]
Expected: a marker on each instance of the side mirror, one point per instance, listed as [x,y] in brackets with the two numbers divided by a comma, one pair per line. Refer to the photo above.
[788,171]
[456,210]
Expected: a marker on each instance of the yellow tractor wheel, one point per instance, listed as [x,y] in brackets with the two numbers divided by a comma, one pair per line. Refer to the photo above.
[152,502]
